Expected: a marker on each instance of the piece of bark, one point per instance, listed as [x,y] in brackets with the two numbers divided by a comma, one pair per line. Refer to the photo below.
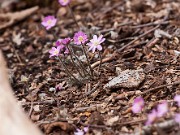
[13,119]
[126,79]
[9,19]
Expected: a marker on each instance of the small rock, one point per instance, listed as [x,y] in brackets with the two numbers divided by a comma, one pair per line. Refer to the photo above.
[52,89]
[127,79]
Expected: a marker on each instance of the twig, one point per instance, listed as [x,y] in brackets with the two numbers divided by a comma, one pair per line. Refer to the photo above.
[73,16]
[104,60]
[152,42]
[109,9]
[126,94]
[148,129]
[138,92]
[19,59]
[150,24]
[31,109]
[159,87]
[111,29]
[17,16]
[136,39]
[39,102]
[93,90]
[130,122]
[149,31]
[94,126]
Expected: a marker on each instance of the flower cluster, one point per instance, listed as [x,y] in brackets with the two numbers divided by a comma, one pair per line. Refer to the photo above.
[78,39]
[64,46]
[161,110]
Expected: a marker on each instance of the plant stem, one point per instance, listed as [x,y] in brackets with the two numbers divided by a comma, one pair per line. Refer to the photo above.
[75,65]
[91,70]
[100,64]
[68,72]
[81,64]
[73,16]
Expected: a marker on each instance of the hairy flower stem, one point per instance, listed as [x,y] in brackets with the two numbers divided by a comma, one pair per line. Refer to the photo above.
[100,64]
[91,70]
[81,65]
[73,16]
[68,72]
[75,65]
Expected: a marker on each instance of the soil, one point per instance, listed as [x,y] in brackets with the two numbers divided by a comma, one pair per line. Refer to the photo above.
[139,35]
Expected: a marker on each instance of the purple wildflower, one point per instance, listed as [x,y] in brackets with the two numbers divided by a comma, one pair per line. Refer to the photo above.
[86,129]
[54,51]
[95,43]
[59,87]
[177,99]
[79,132]
[151,117]
[80,38]
[66,41]
[61,43]
[138,104]
[64,2]
[177,118]
[162,109]
[49,21]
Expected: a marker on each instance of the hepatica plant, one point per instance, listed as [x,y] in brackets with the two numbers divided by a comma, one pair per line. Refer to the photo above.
[64,48]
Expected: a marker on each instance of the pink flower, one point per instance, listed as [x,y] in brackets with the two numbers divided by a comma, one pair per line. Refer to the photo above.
[48,22]
[54,51]
[151,117]
[86,129]
[177,118]
[61,43]
[95,43]
[79,132]
[177,99]
[59,87]
[80,38]
[162,109]
[138,104]
[64,2]
[66,41]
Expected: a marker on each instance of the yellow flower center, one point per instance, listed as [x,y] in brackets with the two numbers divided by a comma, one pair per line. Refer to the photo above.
[56,52]
[49,22]
[96,43]
[80,38]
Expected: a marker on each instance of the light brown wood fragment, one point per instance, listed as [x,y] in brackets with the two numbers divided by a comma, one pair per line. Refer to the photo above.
[13,119]
[127,79]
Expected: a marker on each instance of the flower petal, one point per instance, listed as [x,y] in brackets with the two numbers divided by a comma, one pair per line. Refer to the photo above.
[99,47]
